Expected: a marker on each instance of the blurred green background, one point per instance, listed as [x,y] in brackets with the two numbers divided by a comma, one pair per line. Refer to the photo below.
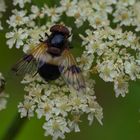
[121,115]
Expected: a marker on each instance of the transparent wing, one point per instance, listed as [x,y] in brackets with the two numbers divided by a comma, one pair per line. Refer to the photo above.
[71,72]
[25,65]
[29,63]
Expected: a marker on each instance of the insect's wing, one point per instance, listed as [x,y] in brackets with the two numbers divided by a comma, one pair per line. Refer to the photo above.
[25,65]
[29,63]
[71,72]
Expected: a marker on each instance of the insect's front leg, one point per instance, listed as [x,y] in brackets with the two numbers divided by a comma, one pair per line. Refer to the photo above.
[46,34]
[41,38]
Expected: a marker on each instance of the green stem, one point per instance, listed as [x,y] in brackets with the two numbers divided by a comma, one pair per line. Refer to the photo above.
[14,128]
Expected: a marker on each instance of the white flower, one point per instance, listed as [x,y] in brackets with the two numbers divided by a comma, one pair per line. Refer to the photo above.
[78,102]
[26,109]
[68,6]
[36,12]
[74,126]
[56,127]
[103,5]
[94,109]
[124,16]
[120,86]
[18,18]
[98,20]
[107,71]
[21,3]
[75,9]
[35,92]
[86,61]
[16,38]
[45,108]
[62,106]
[81,15]
[53,13]
[74,123]
[132,69]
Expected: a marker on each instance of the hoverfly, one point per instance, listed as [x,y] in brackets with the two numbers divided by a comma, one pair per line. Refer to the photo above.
[51,58]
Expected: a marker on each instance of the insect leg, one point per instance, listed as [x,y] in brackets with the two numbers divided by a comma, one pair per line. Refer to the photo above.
[46,34]
[41,38]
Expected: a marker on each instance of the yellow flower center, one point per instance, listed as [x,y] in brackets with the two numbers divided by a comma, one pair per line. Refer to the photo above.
[97,21]
[124,16]
[55,125]
[47,108]
[77,15]
[27,106]
[18,18]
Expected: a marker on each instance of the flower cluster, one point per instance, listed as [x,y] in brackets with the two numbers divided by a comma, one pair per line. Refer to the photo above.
[112,44]
[111,49]
[2,9]
[3,96]
[117,56]
[61,108]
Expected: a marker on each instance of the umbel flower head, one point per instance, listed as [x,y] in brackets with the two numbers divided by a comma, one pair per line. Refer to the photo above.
[111,50]
[3,96]
[61,108]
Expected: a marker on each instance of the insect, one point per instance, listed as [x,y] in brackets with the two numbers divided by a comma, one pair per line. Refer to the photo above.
[52,58]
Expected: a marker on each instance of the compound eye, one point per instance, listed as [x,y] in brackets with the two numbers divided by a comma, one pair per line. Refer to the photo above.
[57,40]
